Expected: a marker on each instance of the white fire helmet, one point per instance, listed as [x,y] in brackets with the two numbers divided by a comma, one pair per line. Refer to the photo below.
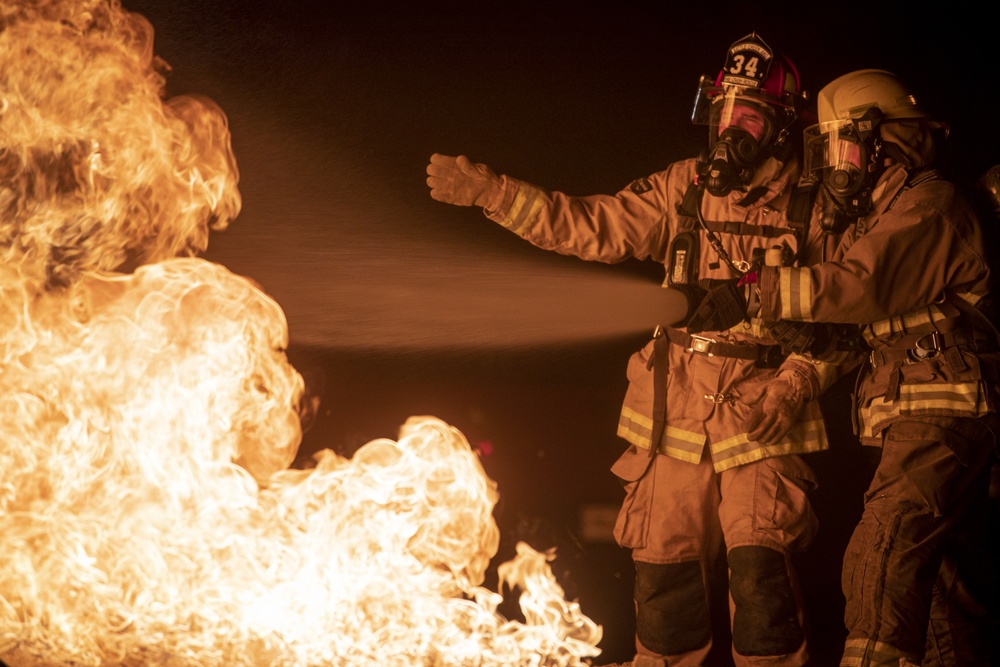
[850,108]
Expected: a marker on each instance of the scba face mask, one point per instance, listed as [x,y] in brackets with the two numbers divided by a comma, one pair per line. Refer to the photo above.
[842,154]
[835,153]
[742,132]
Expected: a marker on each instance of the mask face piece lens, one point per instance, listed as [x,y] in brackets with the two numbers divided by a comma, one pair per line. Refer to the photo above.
[733,110]
[846,154]
[837,155]
[846,157]
[846,160]
[741,130]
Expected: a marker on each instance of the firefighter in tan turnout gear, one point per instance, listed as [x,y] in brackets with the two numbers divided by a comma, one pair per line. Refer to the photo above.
[911,269]
[716,425]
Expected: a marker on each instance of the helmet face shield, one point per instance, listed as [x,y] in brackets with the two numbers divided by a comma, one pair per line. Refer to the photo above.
[743,112]
[730,108]
[743,130]
[836,154]
[718,104]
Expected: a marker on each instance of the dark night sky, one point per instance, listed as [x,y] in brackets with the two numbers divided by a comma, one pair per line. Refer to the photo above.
[336,107]
[334,113]
[335,110]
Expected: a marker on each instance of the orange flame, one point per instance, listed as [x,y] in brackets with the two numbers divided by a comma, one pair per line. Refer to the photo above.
[148,417]
[96,171]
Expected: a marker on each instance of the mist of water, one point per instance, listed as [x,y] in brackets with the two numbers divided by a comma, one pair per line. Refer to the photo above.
[449,301]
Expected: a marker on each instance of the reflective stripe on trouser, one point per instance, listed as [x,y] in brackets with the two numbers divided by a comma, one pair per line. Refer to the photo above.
[932,473]
[679,515]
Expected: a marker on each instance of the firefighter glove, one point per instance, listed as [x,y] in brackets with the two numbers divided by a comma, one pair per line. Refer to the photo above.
[797,337]
[723,307]
[818,339]
[775,402]
[459,181]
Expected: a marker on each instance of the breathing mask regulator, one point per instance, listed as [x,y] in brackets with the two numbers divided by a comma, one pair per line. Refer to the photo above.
[731,162]
[748,108]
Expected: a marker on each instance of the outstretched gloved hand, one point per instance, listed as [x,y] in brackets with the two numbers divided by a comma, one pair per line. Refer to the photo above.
[776,404]
[459,181]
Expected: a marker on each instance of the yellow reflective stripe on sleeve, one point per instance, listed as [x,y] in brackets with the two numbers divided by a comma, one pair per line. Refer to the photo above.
[870,653]
[795,286]
[826,371]
[527,202]
[966,397]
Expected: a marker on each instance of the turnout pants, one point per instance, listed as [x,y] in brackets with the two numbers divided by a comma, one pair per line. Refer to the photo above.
[676,518]
[904,559]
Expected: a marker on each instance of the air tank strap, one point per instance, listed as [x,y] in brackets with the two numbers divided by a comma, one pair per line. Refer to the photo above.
[745,229]
[797,214]
[658,360]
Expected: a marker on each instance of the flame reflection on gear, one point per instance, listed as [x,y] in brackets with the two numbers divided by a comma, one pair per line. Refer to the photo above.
[149,414]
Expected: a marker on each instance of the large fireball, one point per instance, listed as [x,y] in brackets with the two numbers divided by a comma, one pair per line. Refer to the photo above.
[149,414]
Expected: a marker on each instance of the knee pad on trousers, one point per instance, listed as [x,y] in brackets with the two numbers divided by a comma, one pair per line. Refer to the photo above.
[671,607]
[766,620]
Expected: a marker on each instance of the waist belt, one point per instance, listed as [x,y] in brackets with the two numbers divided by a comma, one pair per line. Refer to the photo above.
[765,356]
[927,346]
